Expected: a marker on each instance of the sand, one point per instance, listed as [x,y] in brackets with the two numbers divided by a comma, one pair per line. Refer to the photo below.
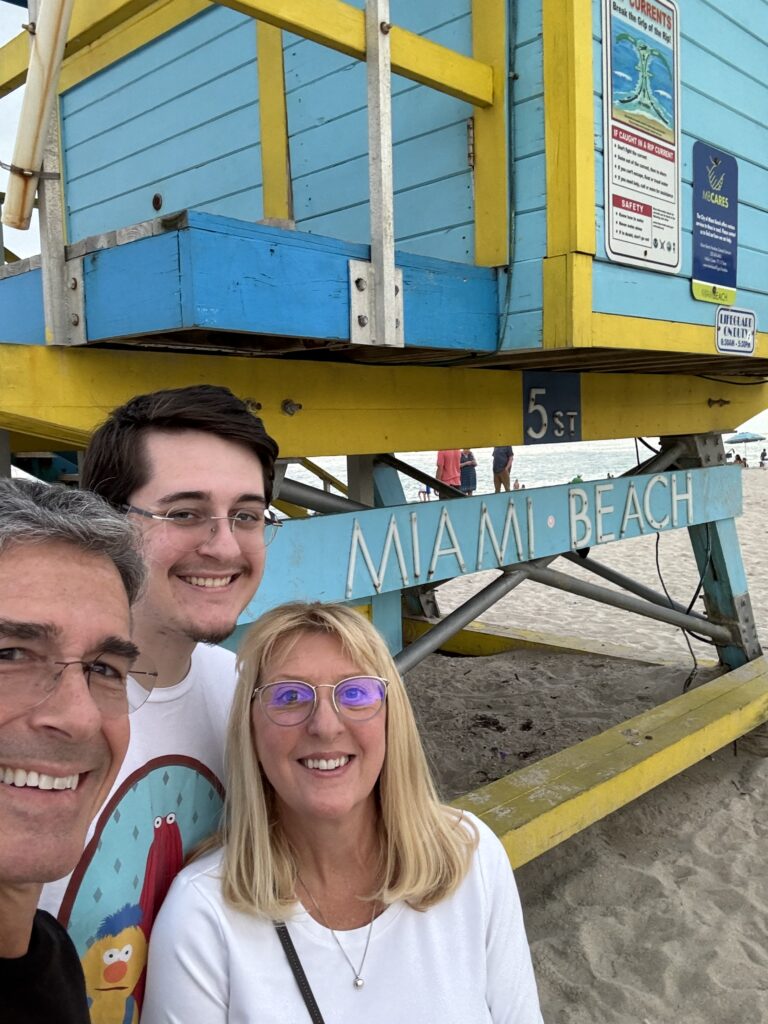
[658,913]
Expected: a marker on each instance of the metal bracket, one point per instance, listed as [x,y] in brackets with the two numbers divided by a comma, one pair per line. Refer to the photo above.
[74,299]
[362,286]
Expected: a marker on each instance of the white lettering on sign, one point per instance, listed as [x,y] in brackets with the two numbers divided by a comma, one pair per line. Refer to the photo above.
[486,529]
[358,543]
[597,514]
[598,524]
[578,514]
[446,526]
[632,510]
[735,330]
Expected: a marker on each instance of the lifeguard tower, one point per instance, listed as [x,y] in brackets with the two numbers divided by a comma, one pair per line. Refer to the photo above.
[393,226]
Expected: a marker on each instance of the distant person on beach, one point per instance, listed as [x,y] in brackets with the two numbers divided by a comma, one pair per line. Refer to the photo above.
[468,472]
[737,461]
[763,459]
[449,467]
[502,464]
[337,864]
[425,493]
[516,485]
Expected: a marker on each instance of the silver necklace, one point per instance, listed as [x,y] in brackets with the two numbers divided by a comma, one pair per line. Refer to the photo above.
[357,974]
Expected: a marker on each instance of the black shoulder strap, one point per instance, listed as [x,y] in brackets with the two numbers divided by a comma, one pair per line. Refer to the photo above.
[298,972]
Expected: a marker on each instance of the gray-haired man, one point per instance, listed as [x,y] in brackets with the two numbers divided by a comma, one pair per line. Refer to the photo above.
[69,572]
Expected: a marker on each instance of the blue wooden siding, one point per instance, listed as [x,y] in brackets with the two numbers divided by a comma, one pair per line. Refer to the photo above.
[521,295]
[724,102]
[178,117]
[21,309]
[328,139]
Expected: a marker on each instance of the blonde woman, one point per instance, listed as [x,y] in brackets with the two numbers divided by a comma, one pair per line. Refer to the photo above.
[398,908]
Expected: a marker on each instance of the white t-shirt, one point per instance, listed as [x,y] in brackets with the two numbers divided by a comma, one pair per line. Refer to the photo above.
[166,798]
[464,961]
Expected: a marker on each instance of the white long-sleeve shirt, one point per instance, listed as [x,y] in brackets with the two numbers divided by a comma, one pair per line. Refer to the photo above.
[464,961]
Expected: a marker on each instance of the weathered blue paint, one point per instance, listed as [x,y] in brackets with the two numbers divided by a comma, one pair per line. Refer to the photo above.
[718,556]
[177,118]
[21,309]
[228,275]
[429,542]
[327,125]
[520,293]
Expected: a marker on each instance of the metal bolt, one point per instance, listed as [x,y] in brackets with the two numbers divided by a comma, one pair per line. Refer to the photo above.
[361,284]
[157,201]
[290,407]
[363,320]
[73,283]
[74,319]
[385,28]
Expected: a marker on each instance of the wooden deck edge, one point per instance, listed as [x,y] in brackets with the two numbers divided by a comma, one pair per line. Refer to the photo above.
[480,639]
[540,806]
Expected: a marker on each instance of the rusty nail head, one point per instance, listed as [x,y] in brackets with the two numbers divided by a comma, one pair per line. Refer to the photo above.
[73,283]
[397,289]
[362,320]
[397,323]
[385,27]
[74,319]
[361,284]
[157,201]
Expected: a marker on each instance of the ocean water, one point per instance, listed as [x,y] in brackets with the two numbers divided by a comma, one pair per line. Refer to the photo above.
[534,465]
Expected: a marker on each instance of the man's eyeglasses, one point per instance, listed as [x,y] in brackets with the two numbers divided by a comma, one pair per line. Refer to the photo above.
[189,526]
[117,688]
[291,702]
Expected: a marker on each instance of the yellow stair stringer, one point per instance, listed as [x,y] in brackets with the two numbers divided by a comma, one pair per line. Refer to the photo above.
[545,803]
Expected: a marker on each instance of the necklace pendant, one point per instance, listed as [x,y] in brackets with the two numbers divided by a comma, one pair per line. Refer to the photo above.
[358,982]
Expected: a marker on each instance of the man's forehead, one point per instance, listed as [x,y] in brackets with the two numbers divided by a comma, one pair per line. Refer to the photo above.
[200,466]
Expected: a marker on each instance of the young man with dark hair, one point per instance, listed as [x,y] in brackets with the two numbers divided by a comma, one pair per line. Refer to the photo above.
[69,571]
[192,468]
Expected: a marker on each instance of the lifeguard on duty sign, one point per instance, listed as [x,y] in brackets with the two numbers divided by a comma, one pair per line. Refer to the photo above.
[735,331]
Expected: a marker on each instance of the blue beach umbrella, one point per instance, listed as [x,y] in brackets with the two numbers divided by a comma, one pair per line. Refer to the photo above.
[744,437]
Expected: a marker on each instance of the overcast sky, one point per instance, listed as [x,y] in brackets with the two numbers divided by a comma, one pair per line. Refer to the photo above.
[23,243]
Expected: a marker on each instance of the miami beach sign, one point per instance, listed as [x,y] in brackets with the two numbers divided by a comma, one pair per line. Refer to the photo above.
[641,133]
[356,555]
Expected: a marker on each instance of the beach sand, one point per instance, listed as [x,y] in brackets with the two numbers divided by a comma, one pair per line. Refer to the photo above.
[658,913]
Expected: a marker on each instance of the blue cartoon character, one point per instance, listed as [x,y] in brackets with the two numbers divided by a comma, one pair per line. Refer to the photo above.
[113,965]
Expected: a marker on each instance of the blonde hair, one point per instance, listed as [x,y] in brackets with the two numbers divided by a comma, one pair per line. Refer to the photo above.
[425,847]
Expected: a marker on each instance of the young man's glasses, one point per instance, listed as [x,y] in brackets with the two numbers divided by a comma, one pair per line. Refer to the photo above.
[191,527]
[116,685]
[291,702]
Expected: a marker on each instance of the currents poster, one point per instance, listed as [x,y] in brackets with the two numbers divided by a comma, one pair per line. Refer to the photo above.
[641,117]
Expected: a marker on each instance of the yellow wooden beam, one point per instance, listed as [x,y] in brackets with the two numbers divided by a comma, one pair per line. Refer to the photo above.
[324,475]
[568,126]
[489,45]
[91,19]
[351,409]
[342,27]
[567,300]
[481,640]
[273,119]
[638,333]
[142,28]
[332,23]
[547,802]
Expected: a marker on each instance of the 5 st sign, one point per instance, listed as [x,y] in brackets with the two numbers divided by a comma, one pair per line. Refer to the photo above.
[551,407]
